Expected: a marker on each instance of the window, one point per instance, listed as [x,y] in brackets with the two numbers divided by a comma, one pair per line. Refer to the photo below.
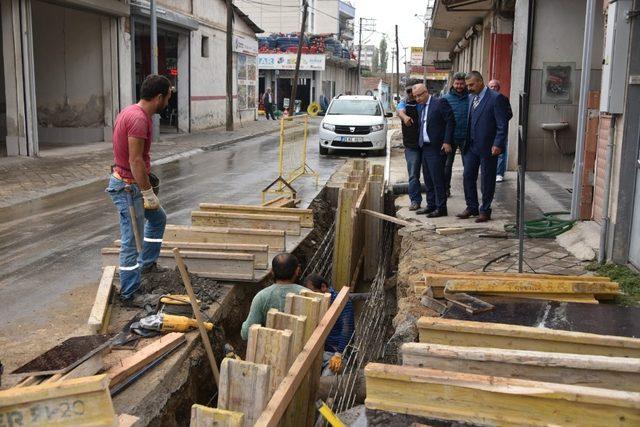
[341,107]
[204,47]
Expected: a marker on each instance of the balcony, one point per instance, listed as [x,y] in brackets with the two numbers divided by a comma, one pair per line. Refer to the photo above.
[346,10]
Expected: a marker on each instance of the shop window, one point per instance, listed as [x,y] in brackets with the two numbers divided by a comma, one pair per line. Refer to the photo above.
[204,47]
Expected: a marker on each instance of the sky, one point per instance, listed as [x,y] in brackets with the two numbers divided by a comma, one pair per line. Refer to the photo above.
[387,14]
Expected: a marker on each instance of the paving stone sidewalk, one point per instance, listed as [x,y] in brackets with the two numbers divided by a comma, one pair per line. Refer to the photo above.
[58,169]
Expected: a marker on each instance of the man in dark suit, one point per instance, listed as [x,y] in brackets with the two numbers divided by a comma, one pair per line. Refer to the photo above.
[488,128]
[437,123]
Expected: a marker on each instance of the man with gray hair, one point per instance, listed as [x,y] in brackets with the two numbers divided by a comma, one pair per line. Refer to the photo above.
[488,127]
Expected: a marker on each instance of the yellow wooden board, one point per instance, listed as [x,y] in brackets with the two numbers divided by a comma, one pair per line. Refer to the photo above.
[77,402]
[203,416]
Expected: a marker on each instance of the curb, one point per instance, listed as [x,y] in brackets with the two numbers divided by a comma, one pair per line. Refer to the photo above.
[163,160]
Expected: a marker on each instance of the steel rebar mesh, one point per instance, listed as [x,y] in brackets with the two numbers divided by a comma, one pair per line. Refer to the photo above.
[368,342]
[322,260]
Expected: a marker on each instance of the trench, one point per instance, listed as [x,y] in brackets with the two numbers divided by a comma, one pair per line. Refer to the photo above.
[193,379]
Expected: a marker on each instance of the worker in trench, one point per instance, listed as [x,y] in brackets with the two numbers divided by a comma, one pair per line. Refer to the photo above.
[133,188]
[342,331]
[286,271]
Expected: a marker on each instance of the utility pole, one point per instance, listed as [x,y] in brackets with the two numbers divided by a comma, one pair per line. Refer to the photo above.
[229,122]
[397,64]
[154,61]
[359,54]
[294,88]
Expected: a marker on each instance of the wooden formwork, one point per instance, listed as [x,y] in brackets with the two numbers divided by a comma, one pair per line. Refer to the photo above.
[240,379]
[305,215]
[263,221]
[358,235]
[275,239]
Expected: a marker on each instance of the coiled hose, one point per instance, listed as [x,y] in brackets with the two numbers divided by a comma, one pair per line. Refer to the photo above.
[547,226]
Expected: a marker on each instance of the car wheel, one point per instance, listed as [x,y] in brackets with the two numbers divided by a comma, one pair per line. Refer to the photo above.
[323,150]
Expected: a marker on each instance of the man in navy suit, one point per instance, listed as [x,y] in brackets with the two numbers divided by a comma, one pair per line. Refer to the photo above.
[437,123]
[488,128]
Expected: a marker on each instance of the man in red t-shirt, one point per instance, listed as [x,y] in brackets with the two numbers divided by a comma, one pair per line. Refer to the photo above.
[130,186]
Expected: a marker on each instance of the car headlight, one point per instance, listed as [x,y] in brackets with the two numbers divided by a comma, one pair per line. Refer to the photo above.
[376,128]
[329,126]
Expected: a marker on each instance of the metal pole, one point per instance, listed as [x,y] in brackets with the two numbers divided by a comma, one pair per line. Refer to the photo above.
[294,88]
[397,65]
[229,75]
[359,54]
[154,59]
[582,108]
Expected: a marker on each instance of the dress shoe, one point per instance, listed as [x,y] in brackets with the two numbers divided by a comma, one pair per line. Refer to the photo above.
[438,213]
[425,211]
[414,206]
[466,214]
[483,217]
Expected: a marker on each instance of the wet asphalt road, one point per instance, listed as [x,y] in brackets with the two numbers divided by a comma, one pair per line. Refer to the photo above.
[50,249]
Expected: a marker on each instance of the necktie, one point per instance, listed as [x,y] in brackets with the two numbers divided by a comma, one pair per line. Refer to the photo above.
[476,101]
[422,129]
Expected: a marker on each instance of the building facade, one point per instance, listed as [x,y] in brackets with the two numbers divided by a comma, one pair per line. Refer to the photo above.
[69,67]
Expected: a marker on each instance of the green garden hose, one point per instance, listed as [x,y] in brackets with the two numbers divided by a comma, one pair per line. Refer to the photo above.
[547,226]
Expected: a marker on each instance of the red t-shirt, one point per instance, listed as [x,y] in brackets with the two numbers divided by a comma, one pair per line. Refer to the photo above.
[132,122]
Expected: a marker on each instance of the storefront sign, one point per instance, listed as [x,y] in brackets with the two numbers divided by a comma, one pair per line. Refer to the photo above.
[247,79]
[416,56]
[245,45]
[287,61]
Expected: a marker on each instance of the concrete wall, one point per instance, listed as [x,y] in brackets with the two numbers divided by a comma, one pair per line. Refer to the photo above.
[184,6]
[208,74]
[326,12]
[558,38]
[68,59]
[285,19]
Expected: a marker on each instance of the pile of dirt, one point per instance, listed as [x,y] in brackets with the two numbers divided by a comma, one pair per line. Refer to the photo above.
[158,283]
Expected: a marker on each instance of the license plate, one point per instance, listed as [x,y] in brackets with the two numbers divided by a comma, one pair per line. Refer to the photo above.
[351,139]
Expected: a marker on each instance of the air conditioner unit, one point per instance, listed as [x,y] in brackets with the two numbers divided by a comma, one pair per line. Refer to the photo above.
[616,55]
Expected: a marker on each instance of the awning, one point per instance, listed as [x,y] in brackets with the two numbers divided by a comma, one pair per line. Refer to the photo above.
[107,7]
[451,20]
[165,16]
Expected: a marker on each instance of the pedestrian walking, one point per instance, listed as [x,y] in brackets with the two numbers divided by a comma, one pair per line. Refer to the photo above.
[458,98]
[267,101]
[502,158]
[409,117]
[437,124]
[142,219]
[488,127]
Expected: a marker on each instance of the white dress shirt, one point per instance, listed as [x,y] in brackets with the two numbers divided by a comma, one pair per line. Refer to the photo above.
[425,111]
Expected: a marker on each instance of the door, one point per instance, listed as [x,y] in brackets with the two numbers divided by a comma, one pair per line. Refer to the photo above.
[634,246]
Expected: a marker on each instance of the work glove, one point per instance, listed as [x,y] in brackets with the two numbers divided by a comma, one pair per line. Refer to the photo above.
[335,363]
[151,201]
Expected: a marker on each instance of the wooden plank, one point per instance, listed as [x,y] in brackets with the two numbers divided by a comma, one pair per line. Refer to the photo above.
[482,399]
[216,265]
[516,286]
[469,303]
[101,303]
[299,370]
[203,416]
[342,255]
[270,347]
[287,223]
[311,307]
[244,388]
[497,335]
[293,417]
[126,420]
[275,239]
[305,215]
[372,230]
[260,252]
[78,402]
[282,201]
[132,364]
[447,231]
[438,292]
[386,217]
[440,278]
[615,373]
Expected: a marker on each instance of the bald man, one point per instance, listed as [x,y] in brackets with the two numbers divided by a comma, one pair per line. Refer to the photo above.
[437,123]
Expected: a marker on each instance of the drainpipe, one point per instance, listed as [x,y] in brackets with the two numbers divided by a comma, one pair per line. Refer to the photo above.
[604,230]
[582,107]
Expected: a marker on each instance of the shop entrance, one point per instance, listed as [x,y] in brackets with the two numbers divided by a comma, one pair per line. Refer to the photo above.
[303,92]
[167,66]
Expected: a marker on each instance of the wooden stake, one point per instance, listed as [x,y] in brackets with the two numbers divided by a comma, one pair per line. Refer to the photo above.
[196,311]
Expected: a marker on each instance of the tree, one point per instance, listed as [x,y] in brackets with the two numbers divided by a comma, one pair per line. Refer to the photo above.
[383,55]
[375,59]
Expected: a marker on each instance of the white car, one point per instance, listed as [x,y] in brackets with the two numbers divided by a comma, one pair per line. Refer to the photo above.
[354,122]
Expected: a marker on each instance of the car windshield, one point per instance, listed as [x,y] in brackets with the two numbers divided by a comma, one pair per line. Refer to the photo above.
[354,107]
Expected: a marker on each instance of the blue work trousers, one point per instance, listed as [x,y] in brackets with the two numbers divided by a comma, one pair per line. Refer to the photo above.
[413,156]
[131,262]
